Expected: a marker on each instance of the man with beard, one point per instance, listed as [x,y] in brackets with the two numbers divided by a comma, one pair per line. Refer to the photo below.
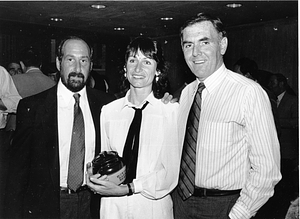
[40,182]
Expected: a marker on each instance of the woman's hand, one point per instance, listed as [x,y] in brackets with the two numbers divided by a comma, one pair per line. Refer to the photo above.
[100,184]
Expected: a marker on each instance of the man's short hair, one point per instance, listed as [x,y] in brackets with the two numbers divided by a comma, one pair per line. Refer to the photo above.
[281,78]
[216,22]
[30,57]
[248,66]
[59,52]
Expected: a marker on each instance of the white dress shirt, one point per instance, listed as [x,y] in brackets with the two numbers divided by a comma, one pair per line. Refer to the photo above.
[8,94]
[158,158]
[65,117]
[237,145]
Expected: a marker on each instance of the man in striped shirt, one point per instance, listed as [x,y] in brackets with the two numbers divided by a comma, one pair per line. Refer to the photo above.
[237,163]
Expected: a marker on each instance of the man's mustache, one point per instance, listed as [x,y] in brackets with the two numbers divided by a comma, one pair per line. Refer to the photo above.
[76,74]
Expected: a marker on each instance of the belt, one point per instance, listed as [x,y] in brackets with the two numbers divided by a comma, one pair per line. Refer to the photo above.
[69,191]
[202,192]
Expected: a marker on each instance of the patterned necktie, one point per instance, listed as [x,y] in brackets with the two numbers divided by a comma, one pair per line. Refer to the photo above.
[187,168]
[75,172]
[131,148]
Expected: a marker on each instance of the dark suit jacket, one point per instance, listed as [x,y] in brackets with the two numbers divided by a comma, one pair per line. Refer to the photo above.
[288,118]
[33,188]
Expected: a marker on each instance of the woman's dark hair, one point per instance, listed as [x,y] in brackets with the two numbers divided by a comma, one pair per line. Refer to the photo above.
[153,50]
[216,22]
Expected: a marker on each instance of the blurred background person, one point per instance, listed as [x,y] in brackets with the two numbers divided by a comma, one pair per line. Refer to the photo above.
[51,71]
[9,99]
[288,188]
[33,80]
[9,96]
[287,106]
[246,67]
[293,211]
[14,68]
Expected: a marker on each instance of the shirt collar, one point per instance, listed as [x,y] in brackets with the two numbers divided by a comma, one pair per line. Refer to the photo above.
[67,95]
[213,81]
[150,98]
[280,96]
[32,68]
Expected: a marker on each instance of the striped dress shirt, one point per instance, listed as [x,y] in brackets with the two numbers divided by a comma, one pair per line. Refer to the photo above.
[237,146]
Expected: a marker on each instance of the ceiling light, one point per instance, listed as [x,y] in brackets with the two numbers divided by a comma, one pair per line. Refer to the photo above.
[234,5]
[56,19]
[98,6]
[119,28]
[166,18]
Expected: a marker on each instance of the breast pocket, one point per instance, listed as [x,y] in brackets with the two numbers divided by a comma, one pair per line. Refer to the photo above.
[219,136]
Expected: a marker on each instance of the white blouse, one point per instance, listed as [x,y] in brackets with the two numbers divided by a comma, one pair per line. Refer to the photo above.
[158,161]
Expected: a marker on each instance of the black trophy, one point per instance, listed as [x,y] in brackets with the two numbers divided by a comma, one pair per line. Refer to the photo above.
[110,163]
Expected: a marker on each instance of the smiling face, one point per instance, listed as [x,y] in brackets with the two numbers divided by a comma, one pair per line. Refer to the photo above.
[75,64]
[140,70]
[203,48]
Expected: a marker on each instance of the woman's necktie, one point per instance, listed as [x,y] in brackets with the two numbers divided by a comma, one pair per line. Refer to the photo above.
[131,148]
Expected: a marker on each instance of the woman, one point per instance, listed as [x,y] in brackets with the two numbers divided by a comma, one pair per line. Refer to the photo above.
[145,193]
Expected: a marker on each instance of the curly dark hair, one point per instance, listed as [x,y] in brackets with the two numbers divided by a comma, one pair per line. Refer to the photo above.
[153,50]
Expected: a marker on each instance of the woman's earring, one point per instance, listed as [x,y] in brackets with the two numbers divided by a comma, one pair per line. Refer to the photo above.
[125,73]
[157,74]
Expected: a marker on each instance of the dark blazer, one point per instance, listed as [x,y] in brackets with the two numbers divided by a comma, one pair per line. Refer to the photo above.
[288,118]
[33,188]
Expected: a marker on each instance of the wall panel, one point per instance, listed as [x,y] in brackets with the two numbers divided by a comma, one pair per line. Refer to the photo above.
[273,45]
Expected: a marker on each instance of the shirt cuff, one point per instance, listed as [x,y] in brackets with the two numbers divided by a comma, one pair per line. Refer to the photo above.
[10,105]
[239,211]
[138,187]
